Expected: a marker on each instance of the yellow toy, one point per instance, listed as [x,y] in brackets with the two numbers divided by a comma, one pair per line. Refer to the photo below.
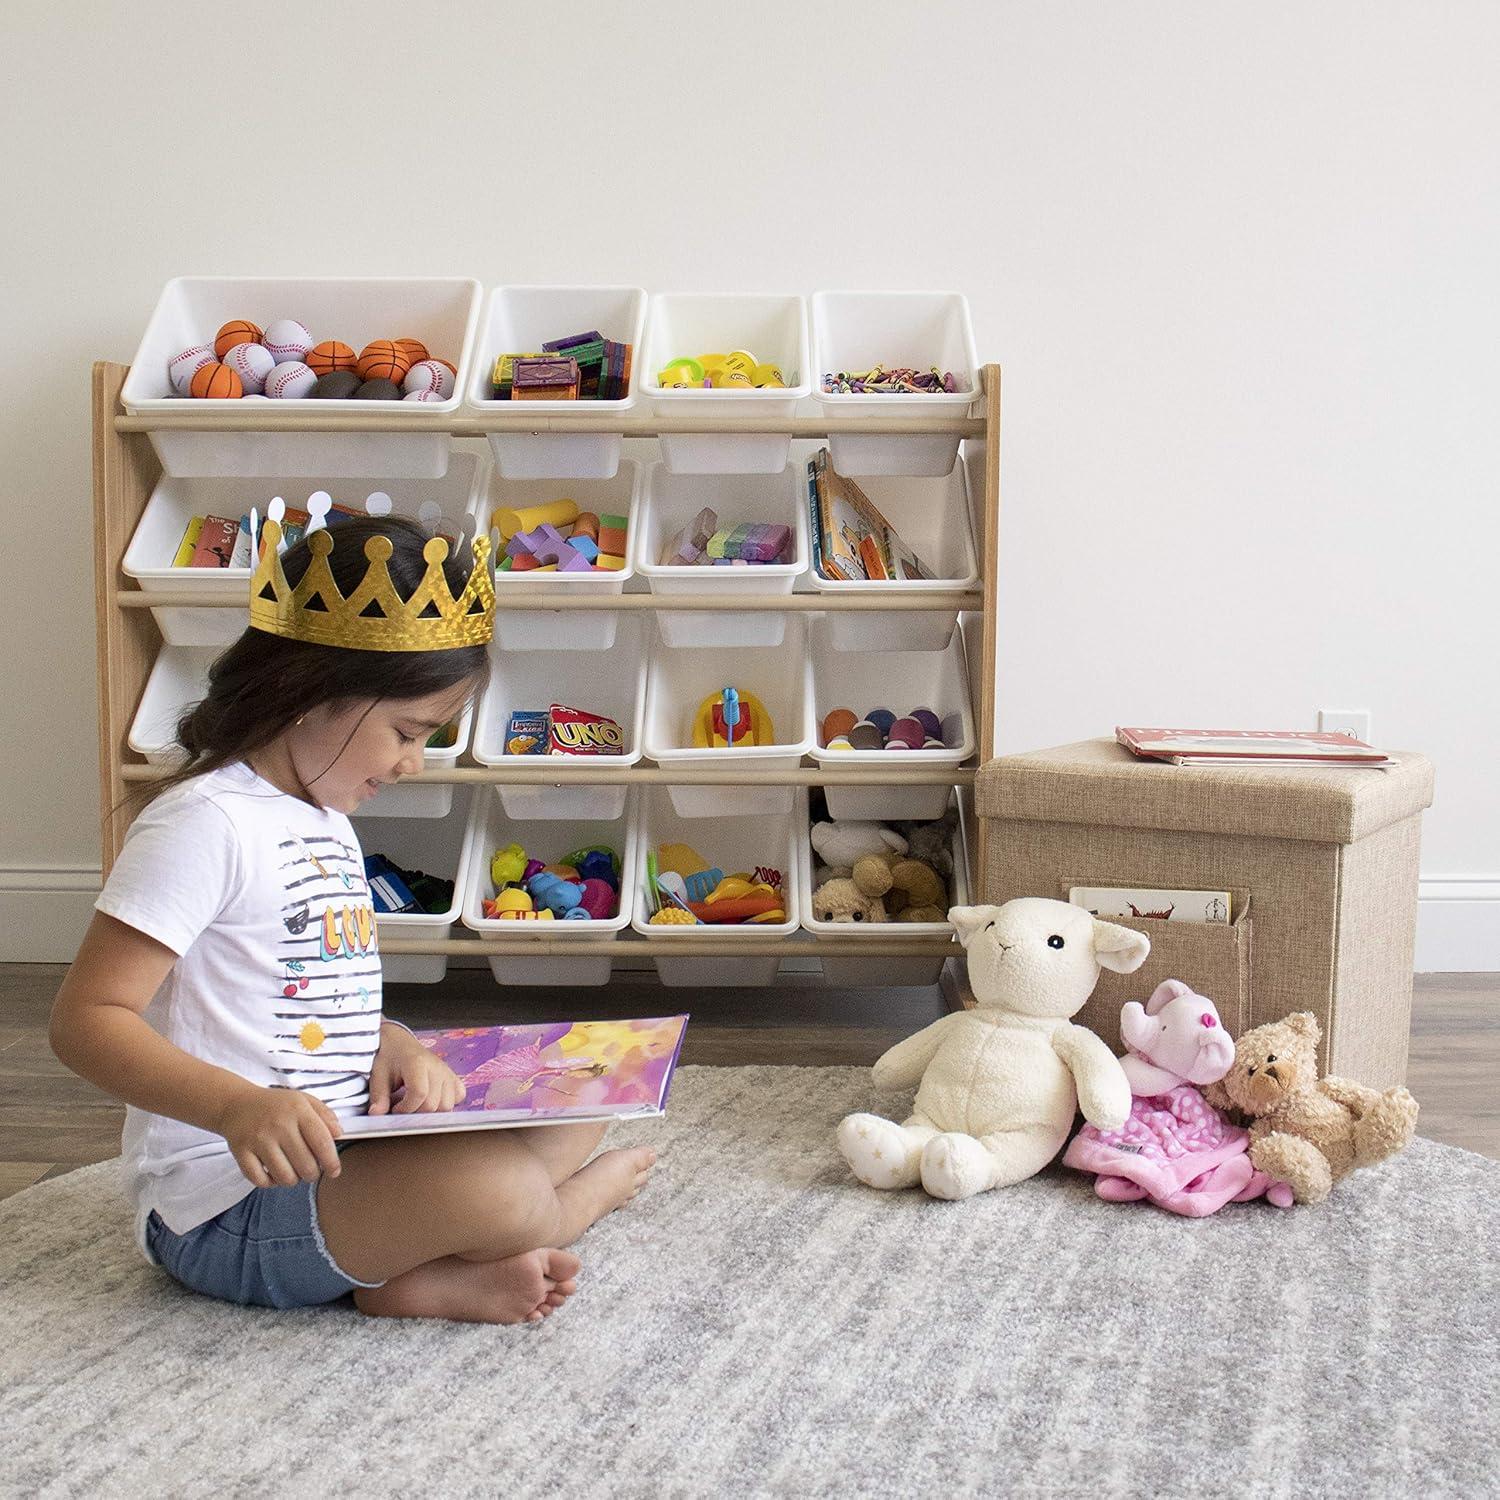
[510,901]
[508,865]
[673,916]
[730,719]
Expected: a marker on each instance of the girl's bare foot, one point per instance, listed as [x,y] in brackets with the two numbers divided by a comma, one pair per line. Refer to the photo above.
[608,1182]
[521,1288]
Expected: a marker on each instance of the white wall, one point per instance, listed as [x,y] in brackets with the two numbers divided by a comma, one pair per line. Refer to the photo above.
[1238,262]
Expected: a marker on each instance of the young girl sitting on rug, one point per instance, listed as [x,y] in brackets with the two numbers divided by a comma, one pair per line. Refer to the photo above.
[228,988]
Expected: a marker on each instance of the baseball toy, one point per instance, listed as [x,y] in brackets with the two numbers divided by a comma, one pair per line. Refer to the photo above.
[212,382]
[421,396]
[427,375]
[382,360]
[290,380]
[234,333]
[288,340]
[252,363]
[330,355]
[336,385]
[414,350]
[378,390]
[182,368]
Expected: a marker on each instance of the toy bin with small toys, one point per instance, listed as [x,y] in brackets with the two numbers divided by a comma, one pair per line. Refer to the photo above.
[817,917]
[556,536]
[690,521]
[417,875]
[532,321]
[895,708]
[686,713]
[884,354]
[742,865]
[526,684]
[733,357]
[531,919]
[385,326]
[442,505]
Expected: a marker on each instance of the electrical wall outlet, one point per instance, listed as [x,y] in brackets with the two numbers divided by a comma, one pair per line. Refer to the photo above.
[1355,722]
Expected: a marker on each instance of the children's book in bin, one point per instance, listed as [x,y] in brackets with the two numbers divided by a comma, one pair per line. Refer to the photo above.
[556,1073]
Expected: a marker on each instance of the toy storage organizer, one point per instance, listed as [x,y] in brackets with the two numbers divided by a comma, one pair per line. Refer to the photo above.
[636,645]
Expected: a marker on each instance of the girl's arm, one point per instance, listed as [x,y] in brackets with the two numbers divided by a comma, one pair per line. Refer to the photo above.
[98,1030]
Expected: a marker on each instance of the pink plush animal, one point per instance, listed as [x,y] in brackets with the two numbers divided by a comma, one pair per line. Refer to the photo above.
[1175,1037]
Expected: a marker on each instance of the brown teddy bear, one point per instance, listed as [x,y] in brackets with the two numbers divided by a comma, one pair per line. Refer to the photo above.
[841,900]
[1308,1131]
[912,890]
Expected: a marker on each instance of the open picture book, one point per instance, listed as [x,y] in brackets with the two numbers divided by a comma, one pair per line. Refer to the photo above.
[553,1073]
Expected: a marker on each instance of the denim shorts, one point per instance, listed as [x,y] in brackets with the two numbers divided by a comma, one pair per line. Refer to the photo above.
[266,1250]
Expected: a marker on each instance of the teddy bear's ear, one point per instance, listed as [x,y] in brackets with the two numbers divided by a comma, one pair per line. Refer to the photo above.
[968,920]
[1305,1023]
[1122,949]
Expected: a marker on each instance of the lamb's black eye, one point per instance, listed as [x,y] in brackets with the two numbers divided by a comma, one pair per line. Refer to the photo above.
[1054,941]
[1270,1057]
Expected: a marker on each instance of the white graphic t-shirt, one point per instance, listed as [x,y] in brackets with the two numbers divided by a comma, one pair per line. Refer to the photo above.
[278,976]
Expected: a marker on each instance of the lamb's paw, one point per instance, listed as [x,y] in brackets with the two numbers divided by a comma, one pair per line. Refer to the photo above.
[955,1166]
[877,1152]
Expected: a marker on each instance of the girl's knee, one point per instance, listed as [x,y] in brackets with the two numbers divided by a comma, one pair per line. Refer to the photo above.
[515,1203]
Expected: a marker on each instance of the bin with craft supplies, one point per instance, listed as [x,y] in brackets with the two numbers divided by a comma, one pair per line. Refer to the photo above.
[930,518]
[434,848]
[932,685]
[914,969]
[685,515]
[438,317]
[688,724]
[526,684]
[761,848]
[522,320]
[541,517]
[179,679]
[852,332]
[589,944]
[175,504]
[772,331]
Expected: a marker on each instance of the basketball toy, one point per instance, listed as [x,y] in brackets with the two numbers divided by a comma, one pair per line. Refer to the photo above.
[234,333]
[336,385]
[382,360]
[330,355]
[290,380]
[287,340]
[213,382]
[414,350]
[252,364]
[182,367]
[429,376]
[378,390]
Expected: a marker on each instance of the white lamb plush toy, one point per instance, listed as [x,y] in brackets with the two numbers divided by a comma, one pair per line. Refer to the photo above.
[1000,1084]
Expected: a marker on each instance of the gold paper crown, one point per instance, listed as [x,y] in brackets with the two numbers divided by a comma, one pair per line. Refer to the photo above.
[374,617]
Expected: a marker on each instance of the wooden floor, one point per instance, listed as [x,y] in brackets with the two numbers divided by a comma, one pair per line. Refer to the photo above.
[52,1122]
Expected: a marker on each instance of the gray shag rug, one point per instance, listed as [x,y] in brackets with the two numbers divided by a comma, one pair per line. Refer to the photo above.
[759,1324]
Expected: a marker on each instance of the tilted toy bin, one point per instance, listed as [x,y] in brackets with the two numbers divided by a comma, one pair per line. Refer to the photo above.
[1321,865]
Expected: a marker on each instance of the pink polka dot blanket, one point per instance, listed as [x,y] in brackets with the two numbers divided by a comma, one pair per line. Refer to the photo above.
[1176,1150]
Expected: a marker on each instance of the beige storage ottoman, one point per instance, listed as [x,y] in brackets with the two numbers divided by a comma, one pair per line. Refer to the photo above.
[1321,864]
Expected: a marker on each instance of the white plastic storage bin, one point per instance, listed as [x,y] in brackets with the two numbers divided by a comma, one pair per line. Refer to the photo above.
[899,681]
[613,685]
[590,944]
[932,517]
[174,502]
[736,844]
[677,683]
[888,968]
[437,846]
[773,329]
[852,331]
[443,313]
[559,630]
[519,320]
[670,502]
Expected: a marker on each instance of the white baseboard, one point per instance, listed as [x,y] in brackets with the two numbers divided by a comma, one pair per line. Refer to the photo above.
[44,911]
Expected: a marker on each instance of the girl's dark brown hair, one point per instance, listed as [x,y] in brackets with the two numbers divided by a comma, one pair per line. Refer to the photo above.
[264,682]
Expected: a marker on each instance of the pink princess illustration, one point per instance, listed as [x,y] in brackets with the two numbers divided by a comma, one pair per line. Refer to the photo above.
[514,1074]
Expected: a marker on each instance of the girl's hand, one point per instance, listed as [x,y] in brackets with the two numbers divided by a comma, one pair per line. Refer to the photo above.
[428,1083]
[281,1137]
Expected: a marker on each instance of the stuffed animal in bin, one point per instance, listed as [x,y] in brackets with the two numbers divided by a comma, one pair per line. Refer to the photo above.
[998,1086]
[1308,1131]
